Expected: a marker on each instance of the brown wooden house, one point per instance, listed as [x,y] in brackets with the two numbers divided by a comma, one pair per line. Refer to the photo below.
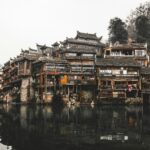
[80,52]
[17,85]
[136,51]
[145,80]
[49,78]
[118,78]
[6,81]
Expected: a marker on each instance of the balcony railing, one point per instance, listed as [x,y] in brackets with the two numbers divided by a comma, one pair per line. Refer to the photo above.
[120,87]
[57,70]
[123,55]
[112,94]
[80,57]
[145,81]
[88,82]
[118,75]
[119,55]
[106,87]
[24,72]
[146,90]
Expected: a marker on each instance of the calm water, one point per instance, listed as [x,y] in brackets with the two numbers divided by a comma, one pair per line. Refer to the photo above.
[101,127]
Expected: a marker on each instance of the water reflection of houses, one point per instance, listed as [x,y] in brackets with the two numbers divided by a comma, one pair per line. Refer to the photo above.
[78,125]
[124,124]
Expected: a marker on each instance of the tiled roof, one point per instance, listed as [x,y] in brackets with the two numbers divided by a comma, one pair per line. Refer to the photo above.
[87,36]
[55,44]
[42,47]
[84,42]
[79,50]
[49,59]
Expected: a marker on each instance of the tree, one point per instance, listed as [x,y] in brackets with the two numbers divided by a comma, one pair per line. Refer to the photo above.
[142,10]
[117,31]
[141,26]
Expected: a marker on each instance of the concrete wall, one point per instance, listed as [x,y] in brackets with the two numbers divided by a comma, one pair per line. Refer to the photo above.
[24,90]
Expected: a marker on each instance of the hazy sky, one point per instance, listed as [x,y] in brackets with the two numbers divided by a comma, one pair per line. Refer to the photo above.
[23,23]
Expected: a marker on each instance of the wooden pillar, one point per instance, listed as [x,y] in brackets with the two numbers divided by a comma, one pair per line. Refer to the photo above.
[68,92]
[112,84]
[94,97]
[80,92]
[55,83]
[18,70]
[140,80]
[45,82]
[40,88]
[76,88]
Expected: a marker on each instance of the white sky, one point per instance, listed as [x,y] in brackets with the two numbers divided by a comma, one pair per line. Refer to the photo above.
[23,23]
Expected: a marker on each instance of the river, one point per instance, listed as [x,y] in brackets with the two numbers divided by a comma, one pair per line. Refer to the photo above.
[44,127]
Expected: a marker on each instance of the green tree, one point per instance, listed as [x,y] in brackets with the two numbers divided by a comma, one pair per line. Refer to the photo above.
[117,31]
[142,27]
[142,10]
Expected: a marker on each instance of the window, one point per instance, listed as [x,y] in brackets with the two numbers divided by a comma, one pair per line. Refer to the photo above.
[70,54]
[76,69]
[78,54]
[105,83]
[88,69]
[88,55]
[107,52]
[139,52]
[105,71]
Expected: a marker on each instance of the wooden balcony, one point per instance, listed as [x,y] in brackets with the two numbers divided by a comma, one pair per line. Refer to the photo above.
[145,81]
[146,90]
[106,87]
[80,57]
[88,82]
[112,94]
[24,72]
[119,55]
[118,75]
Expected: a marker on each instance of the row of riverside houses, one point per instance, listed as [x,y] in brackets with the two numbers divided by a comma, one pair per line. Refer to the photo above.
[79,69]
